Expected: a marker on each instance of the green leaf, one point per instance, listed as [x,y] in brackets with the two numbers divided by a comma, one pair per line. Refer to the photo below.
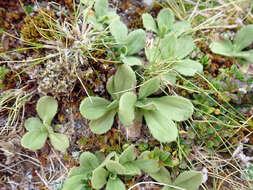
[162,176]
[104,123]
[188,67]
[174,107]
[78,171]
[127,108]
[110,156]
[247,55]
[88,161]
[169,78]
[168,46]
[149,87]
[110,87]
[145,105]
[149,23]
[146,164]
[128,155]
[222,47]
[180,27]
[59,141]
[131,61]
[124,79]
[165,20]
[73,183]
[153,54]
[46,107]
[131,169]
[188,45]
[111,16]
[115,184]
[99,178]
[95,23]
[119,31]
[101,8]
[243,38]
[34,140]
[162,128]
[115,167]
[135,41]
[113,105]
[33,124]
[189,180]
[93,107]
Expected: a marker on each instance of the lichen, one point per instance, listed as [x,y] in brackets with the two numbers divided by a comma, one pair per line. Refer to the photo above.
[58,77]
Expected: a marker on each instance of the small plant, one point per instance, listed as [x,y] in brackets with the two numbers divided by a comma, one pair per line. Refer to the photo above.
[102,15]
[159,113]
[38,131]
[168,52]
[235,49]
[165,23]
[97,174]
[168,56]
[130,44]
[152,164]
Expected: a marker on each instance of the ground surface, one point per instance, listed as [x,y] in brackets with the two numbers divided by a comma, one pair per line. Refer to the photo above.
[217,140]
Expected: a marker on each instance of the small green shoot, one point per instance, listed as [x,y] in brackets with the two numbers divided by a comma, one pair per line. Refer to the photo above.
[242,40]
[97,174]
[38,131]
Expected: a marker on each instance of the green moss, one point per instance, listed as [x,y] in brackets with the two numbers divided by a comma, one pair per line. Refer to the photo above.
[35,27]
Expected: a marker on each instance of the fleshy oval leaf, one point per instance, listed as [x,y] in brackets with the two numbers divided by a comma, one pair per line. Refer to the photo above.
[188,45]
[101,8]
[149,23]
[110,87]
[33,124]
[88,161]
[161,128]
[131,61]
[188,67]
[243,38]
[46,108]
[165,20]
[149,87]
[34,140]
[59,141]
[115,167]
[103,124]
[162,176]
[118,30]
[115,184]
[99,178]
[124,80]
[128,155]
[222,47]
[93,107]
[73,183]
[135,41]
[127,108]
[189,180]
[174,107]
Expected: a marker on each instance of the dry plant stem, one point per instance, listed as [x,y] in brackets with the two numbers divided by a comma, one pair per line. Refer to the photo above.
[156,183]
[194,11]
[223,180]
[214,161]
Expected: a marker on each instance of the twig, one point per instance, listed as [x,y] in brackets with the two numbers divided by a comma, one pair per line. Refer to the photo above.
[156,183]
